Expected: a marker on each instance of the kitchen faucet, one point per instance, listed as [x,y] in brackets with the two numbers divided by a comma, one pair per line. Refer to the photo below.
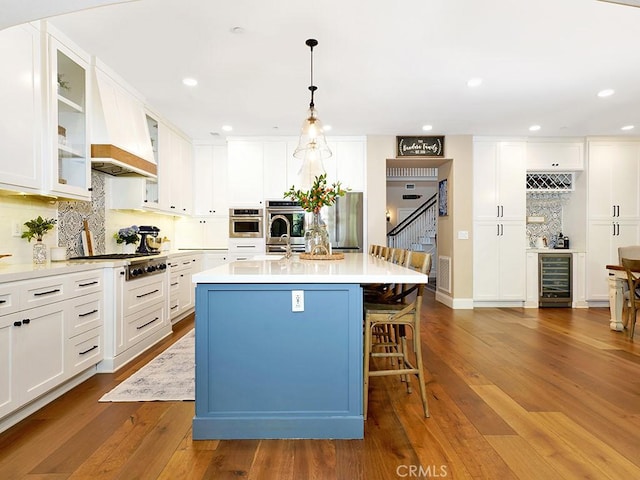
[287,248]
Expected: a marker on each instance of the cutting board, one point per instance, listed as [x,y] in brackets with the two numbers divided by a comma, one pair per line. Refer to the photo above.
[88,243]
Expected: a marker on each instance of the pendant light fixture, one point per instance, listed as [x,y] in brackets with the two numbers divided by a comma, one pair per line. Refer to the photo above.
[312,147]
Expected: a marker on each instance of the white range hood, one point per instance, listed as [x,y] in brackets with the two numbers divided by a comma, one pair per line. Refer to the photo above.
[120,141]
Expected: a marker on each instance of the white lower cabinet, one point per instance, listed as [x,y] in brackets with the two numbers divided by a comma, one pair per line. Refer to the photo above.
[499,251]
[604,238]
[35,363]
[52,334]
[181,287]
[136,317]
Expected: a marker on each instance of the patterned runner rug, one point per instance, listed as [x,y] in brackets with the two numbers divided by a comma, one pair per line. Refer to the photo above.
[168,377]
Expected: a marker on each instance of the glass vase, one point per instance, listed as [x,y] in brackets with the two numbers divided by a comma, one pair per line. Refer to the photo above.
[39,253]
[316,237]
[129,248]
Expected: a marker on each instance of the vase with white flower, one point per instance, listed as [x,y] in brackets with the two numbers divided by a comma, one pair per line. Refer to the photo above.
[127,237]
[316,237]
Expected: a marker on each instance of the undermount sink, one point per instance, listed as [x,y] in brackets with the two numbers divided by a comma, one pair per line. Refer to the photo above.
[268,256]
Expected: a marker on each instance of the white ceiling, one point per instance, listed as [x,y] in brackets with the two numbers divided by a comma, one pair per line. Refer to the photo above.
[382,67]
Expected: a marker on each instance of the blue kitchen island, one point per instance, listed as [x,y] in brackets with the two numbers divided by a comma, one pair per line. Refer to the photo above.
[279,346]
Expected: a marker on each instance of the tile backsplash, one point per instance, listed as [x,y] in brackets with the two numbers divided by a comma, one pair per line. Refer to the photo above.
[103,222]
[71,216]
[548,205]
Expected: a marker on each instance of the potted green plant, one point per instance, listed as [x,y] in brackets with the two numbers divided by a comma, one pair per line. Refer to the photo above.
[129,237]
[37,228]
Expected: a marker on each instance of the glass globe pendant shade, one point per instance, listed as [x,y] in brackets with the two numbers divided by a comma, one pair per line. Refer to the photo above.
[311,168]
[312,137]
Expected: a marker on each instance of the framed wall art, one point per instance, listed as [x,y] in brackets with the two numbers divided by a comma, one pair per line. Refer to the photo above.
[432,146]
[443,207]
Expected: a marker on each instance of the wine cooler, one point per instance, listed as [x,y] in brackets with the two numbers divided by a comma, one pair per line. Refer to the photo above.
[554,276]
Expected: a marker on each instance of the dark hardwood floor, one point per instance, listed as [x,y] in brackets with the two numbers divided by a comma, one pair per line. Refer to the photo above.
[513,393]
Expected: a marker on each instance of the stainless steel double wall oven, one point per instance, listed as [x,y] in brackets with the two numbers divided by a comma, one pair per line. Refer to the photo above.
[284,217]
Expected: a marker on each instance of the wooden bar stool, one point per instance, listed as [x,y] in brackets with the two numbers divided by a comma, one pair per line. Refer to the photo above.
[395,316]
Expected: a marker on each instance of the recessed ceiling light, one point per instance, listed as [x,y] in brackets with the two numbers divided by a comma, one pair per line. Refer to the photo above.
[227,128]
[190,82]
[534,128]
[327,128]
[607,92]
[474,82]
[237,30]
[627,127]
[427,128]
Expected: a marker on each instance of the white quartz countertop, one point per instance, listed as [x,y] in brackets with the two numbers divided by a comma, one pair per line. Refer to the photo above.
[354,268]
[27,271]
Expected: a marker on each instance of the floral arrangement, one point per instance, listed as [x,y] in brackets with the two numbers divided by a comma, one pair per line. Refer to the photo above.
[127,235]
[318,196]
[38,227]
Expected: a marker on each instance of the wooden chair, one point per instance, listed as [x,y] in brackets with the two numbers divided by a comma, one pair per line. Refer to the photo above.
[384,253]
[399,312]
[632,267]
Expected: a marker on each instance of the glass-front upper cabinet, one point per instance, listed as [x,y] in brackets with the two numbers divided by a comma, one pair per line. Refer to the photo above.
[69,85]
[151,190]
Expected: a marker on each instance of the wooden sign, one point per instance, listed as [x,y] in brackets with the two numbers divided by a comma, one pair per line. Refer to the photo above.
[420,146]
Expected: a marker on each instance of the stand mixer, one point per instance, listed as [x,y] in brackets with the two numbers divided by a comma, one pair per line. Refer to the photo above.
[148,242]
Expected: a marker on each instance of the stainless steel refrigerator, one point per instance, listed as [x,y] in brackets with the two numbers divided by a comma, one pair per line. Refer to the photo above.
[345,223]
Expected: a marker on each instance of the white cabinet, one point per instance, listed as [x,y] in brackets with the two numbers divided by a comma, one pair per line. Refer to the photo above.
[499,174]
[604,238]
[614,180]
[68,77]
[20,97]
[245,173]
[175,168]
[44,85]
[275,181]
[499,199]
[50,332]
[348,162]
[181,288]
[555,156]
[499,260]
[210,180]
[260,169]
[202,232]
[613,204]
[211,260]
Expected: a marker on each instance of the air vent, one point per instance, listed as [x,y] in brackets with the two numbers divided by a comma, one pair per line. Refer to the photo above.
[444,274]
[550,181]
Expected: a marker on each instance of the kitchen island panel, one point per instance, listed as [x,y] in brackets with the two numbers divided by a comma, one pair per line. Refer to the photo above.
[263,371]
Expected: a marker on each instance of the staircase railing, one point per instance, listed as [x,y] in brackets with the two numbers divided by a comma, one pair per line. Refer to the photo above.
[422,222]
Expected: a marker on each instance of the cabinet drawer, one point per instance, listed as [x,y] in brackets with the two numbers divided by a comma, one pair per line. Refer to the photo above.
[143,293]
[83,283]
[174,283]
[144,323]
[174,305]
[9,298]
[84,350]
[85,314]
[41,291]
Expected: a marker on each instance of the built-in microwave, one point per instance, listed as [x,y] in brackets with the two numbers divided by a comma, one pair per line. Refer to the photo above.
[285,217]
[245,223]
